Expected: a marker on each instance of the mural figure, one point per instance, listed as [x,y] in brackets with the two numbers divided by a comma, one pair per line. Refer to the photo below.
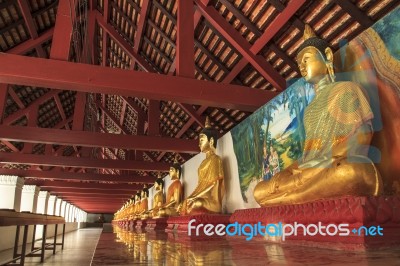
[273,161]
[266,169]
[207,196]
[338,132]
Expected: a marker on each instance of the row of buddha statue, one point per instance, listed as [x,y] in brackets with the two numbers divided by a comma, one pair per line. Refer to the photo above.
[206,198]
[338,130]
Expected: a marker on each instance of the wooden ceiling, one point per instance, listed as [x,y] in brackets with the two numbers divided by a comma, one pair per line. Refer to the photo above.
[95,147]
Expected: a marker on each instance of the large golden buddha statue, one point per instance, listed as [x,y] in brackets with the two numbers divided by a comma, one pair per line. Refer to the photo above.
[207,196]
[338,130]
[174,193]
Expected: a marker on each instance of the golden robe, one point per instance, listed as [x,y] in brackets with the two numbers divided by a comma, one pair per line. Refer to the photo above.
[210,188]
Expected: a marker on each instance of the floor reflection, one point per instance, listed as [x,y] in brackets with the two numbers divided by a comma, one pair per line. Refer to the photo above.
[122,247]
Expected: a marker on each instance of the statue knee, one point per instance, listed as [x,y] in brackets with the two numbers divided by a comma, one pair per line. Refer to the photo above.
[360,171]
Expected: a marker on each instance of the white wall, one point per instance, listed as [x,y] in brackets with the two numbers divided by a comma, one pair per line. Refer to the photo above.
[233,199]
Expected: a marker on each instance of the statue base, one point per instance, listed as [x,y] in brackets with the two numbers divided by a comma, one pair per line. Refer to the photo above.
[159,224]
[140,225]
[132,224]
[359,218]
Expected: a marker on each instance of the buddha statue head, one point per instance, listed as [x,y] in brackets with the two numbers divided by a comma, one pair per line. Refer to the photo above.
[175,170]
[137,197]
[315,58]
[208,138]
[159,183]
[144,193]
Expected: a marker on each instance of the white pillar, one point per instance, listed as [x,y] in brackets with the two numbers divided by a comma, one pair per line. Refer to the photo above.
[51,208]
[67,212]
[29,198]
[73,213]
[58,207]
[63,205]
[10,191]
[78,215]
[43,201]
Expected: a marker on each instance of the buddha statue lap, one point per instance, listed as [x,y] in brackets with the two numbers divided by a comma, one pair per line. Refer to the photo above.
[174,193]
[338,130]
[207,196]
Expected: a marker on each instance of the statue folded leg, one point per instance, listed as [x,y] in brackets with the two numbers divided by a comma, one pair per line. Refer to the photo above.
[356,176]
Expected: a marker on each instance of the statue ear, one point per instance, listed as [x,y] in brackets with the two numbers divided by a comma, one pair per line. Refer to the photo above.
[212,142]
[329,54]
[329,64]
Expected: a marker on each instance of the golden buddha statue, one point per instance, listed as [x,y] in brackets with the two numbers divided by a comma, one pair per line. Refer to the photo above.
[131,207]
[158,198]
[338,130]
[136,207]
[144,203]
[174,193]
[207,196]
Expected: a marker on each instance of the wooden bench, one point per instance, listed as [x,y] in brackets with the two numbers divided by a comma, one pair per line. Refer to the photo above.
[12,218]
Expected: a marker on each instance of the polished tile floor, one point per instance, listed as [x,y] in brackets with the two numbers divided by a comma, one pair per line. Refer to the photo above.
[127,248]
[118,247]
[79,247]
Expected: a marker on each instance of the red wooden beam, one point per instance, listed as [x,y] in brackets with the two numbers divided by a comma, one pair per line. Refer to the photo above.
[10,146]
[88,78]
[140,26]
[32,122]
[95,197]
[93,191]
[26,13]
[79,111]
[95,139]
[112,33]
[30,24]
[197,18]
[185,40]
[30,44]
[242,45]
[61,44]
[3,98]
[60,107]
[88,53]
[280,21]
[154,118]
[355,13]
[123,111]
[81,185]
[60,175]
[32,159]
[106,18]
[32,106]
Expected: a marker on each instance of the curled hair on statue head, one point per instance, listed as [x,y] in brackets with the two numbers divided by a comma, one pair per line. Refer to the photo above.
[177,166]
[138,195]
[160,180]
[146,190]
[210,132]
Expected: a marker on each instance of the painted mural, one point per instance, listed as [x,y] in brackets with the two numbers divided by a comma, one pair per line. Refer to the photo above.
[271,139]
